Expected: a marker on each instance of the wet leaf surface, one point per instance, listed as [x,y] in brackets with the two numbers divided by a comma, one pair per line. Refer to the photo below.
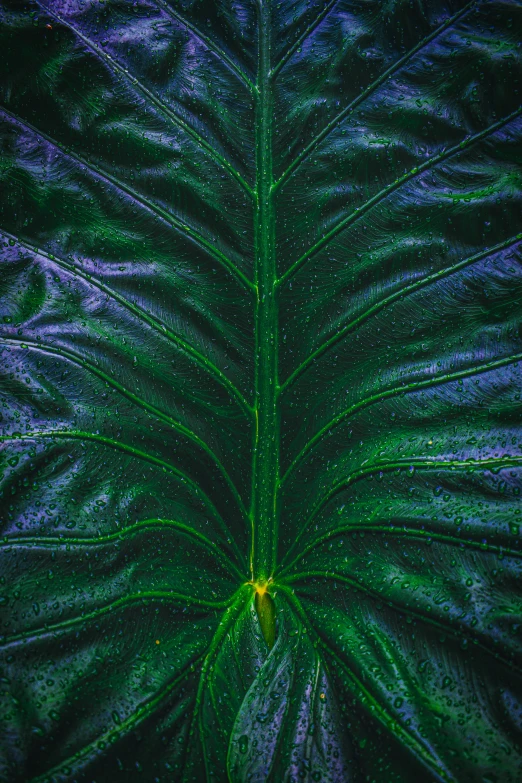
[261,453]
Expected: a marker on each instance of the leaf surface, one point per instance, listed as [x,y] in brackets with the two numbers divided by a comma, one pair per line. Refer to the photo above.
[260,438]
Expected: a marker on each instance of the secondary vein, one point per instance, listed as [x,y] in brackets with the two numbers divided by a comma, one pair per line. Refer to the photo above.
[166,217]
[126,449]
[507,461]
[359,212]
[399,294]
[395,391]
[79,360]
[143,315]
[115,67]
[367,92]
[120,535]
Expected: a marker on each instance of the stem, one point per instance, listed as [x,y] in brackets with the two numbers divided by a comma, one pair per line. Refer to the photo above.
[266,612]
[266,437]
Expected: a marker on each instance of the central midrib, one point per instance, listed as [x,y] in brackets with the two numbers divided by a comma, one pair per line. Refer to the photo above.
[265,468]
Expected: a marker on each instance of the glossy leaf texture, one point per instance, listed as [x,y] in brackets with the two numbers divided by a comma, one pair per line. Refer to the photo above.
[261,287]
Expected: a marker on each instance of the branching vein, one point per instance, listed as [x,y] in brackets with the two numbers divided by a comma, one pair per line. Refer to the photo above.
[400,294]
[453,630]
[143,315]
[396,391]
[151,596]
[358,213]
[377,711]
[210,44]
[302,38]
[507,461]
[136,453]
[420,534]
[67,541]
[115,67]
[310,147]
[166,217]
[79,360]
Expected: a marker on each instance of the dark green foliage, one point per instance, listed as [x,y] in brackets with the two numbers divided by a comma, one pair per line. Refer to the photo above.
[261,452]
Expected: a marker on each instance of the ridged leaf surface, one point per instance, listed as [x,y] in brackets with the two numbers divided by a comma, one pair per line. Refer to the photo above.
[261,289]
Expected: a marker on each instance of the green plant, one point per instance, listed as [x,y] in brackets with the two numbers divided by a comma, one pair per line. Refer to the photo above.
[261,291]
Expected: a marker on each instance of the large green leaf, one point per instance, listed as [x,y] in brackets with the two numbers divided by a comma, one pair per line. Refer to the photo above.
[261,293]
